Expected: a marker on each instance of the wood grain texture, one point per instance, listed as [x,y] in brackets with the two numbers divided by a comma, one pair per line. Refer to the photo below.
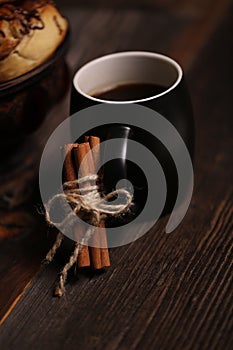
[126,30]
[199,31]
[24,238]
[163,291]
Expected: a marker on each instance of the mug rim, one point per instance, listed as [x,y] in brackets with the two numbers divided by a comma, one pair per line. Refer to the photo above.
[128,54]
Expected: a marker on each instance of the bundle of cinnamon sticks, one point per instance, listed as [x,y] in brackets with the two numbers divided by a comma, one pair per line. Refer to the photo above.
[74,154]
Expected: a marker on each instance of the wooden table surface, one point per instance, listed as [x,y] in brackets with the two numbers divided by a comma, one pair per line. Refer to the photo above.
[163,291]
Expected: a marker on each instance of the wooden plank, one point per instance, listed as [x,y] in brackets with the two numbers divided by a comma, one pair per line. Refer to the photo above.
[127,30]
[157,287]
[186,50]
[20,256]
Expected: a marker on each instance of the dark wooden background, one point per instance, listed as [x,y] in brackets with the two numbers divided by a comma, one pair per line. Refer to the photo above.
[163,291]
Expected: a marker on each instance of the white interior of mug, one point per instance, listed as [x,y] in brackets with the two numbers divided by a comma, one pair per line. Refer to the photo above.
[130,67]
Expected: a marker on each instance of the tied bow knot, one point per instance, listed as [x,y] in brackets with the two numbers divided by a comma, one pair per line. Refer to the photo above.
[87,198]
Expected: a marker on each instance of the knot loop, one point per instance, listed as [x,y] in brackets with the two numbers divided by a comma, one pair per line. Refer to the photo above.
[88,199]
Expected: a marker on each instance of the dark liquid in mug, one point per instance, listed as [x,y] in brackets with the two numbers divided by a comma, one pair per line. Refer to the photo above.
[130,92]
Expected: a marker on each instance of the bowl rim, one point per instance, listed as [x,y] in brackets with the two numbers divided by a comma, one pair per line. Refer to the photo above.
[12,83]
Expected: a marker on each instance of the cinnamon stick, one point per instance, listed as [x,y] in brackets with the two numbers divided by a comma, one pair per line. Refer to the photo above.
[102,237]
[87,169]
[69,174]
[94,143]
[105,260]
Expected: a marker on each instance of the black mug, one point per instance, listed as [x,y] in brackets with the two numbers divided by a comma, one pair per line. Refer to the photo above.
[173,103]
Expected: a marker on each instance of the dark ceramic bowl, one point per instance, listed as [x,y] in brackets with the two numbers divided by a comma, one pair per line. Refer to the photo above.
[31,107]
[26,100]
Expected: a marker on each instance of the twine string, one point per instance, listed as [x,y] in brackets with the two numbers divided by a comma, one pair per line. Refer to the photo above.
[89,200]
